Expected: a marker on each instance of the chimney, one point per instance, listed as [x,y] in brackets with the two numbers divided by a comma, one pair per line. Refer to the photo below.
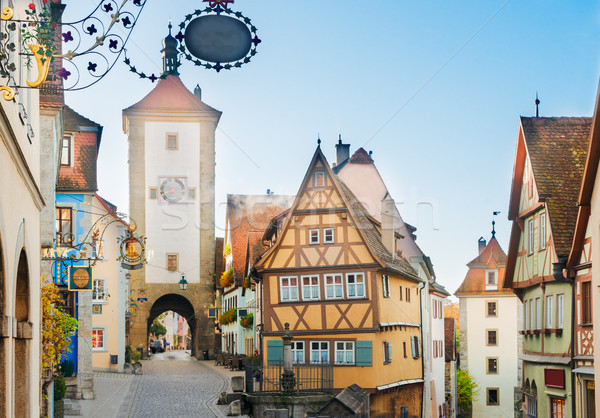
[481,243]
[198,92]
[387,223]
[342,151]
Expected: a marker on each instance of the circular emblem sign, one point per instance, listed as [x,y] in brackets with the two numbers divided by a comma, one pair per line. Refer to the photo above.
[218,38]
[81,278]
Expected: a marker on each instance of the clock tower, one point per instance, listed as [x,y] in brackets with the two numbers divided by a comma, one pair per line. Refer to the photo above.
[171,136]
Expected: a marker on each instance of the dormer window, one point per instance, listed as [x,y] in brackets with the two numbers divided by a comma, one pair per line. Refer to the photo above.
[320,179]
[66,158]
[491,279]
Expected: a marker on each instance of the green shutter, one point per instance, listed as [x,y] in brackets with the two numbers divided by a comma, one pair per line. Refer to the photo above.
[275,352]
[364,353]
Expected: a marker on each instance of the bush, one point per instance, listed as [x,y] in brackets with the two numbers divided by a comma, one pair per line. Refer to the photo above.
[67,368]
[128,354]
[135,356]
[60,388]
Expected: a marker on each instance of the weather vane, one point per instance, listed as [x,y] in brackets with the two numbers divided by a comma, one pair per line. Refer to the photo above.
[494,213]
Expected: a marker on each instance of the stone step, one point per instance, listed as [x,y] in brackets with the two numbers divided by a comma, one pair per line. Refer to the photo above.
[72,407]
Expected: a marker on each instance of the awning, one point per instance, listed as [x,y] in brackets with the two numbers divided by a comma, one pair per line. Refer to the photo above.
[532,358]
[584,370]
[402,324]
[400,383]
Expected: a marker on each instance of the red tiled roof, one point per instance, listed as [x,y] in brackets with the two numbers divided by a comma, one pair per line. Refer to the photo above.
[492,257]
[361,157]
[557,149]
[171,95]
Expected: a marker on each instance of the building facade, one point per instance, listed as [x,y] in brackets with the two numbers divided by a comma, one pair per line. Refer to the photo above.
[548,170]
[490,344]
[171,135]
[349,297]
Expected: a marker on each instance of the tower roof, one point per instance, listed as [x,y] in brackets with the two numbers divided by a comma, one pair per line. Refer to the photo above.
[171,96]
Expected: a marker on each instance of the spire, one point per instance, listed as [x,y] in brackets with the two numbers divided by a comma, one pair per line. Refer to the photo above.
[537,105]
[319,140]
[169,52]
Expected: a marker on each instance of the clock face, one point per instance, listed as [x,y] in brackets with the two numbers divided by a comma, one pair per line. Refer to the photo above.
[172,189]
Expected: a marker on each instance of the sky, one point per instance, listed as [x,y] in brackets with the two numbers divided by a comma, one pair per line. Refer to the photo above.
[434,88]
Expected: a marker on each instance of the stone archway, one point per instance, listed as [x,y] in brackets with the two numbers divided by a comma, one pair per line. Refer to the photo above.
[178,304]
[3,337]
[22,343]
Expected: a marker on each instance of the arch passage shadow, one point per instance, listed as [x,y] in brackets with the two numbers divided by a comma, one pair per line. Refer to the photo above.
[177,304]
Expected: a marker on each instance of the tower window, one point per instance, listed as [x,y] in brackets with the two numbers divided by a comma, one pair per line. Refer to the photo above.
[172,143]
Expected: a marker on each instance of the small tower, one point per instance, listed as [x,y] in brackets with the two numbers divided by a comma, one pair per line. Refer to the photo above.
[169,53]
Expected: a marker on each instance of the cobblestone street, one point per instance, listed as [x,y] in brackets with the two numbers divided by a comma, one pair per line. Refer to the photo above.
[173,385]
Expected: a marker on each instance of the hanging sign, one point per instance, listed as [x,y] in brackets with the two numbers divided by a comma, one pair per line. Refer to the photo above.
[80,279]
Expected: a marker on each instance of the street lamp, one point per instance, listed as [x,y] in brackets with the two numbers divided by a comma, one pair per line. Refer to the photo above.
[183,283]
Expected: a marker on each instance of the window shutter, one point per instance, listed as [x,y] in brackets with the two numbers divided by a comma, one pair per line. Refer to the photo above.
[413,347]
[275,352]
[418,347]
[364,353]
[389,347]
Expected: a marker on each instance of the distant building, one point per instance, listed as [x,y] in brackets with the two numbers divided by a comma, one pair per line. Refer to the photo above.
[548,170]
[335,275]
[490,319]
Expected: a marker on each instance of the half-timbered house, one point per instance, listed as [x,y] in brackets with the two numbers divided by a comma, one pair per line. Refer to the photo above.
[548,169]
[350,298]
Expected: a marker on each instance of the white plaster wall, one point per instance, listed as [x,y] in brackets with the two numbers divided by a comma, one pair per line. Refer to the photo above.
[172,228]
[438,364]
[507,323]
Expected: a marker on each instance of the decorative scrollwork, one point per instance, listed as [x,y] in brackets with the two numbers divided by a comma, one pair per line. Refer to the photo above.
[7,93]
[7,13]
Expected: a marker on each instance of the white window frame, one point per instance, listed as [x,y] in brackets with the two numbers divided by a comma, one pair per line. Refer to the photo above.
[525,315]
[543,231]
[95,294]
[311,287]
[348,349]
[319,350]
[531,315]
[333,286]
[538,313]
[530,236]
[385,285]
[560,307]
[356,285]
[71,151]
[289,288]
[331,239]
[104,346]
[310,236]
[549,311]
[296,352]
[316,183]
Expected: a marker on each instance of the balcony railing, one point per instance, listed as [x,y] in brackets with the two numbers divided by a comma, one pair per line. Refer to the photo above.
[308,378]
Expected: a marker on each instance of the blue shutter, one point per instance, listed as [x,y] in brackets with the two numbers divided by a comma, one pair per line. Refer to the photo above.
[275,352]
[364,353]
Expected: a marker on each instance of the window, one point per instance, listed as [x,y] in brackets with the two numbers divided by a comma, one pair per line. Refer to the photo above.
[492,337]
[557,408]
[491,278]
[313,236]
[560,307]
[99,292]
[415,346]
[172,261]
[404,348]
[98,341]
[153,192]
[549,311]
[320,179]
[538,313]
[319,352]
[408,294]
[298,351]
[531,315]
[525,316]
[543,231]
[492,365]
[385,285]
[328,237]
[492,309]
[492,396]
[68,302]
[400,292]
[172,142]
[64,232]
[344,352]
[355,285]
[387,352]
[67,148]
[334,286]
[289,289]
[586,302]
[530,236]
[310,288]
[531,401]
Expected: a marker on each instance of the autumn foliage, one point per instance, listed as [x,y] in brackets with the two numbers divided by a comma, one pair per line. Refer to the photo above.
[57,327]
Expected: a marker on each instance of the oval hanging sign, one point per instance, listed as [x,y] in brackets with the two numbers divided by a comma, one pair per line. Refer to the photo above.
[217,37]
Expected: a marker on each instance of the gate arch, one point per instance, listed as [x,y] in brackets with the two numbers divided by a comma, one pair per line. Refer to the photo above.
[178,304]
[22,343]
